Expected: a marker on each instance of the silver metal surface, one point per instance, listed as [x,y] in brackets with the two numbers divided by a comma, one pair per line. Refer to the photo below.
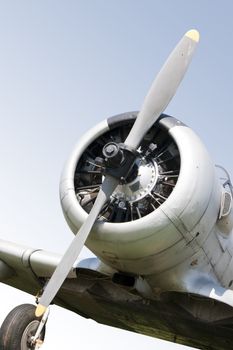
[72,253]
[35,339]
[29,331]
[141,186]
[163,89]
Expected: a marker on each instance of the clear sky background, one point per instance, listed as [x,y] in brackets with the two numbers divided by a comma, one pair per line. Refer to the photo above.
[65,66]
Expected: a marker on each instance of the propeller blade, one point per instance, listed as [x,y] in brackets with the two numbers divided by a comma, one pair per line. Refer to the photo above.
[76,246]
[164,87]
[162,90]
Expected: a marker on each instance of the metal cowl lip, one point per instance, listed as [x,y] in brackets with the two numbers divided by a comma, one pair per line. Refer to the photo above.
[155,231]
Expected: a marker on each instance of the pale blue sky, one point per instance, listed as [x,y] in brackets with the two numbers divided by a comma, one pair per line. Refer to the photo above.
[65,66]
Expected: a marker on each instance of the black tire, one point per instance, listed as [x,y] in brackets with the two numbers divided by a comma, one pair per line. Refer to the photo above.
[18,327]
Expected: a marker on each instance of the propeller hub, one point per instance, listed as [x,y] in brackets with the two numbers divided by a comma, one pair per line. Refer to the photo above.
[111,149]
[113,155]
[119,161]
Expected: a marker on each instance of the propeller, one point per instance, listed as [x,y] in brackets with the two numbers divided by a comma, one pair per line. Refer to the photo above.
[161,92]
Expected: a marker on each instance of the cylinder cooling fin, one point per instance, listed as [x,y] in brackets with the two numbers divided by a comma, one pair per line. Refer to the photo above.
[150,182]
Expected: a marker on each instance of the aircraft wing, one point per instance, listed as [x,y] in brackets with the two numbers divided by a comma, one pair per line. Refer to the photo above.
[25,268]
[91,292]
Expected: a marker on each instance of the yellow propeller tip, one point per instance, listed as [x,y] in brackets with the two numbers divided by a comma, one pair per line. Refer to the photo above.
[40,310]
[193,34]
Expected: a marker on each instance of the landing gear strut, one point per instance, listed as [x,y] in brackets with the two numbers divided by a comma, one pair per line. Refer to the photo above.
[19,329]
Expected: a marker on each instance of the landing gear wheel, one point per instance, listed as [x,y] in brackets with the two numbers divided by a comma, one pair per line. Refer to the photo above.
[18,328]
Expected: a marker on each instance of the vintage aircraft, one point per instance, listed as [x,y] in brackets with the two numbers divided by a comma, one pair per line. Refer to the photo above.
[141,191]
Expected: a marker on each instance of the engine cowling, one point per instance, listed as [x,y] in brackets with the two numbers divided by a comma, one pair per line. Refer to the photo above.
[153,218]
